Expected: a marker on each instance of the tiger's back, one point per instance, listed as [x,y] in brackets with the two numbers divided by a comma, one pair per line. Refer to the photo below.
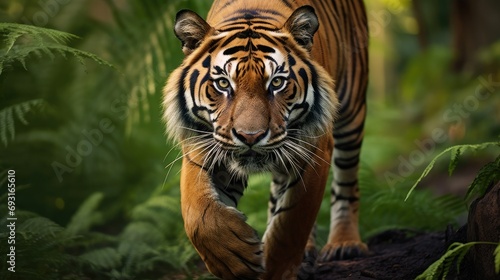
[257,92]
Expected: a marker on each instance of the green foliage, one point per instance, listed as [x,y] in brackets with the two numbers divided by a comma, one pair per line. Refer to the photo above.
[488,174]
[21,41]
[456,152]
[9,114]
[152,240]
[497,259]
[454,255]
[86,216]
[149,51]
[384,208]
[103,258]
[37,40]
[39,250]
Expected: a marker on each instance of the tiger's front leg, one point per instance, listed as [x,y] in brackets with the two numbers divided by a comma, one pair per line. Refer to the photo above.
[295,202]
[229,247]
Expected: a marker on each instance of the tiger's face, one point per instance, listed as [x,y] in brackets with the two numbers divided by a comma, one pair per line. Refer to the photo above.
[249,96]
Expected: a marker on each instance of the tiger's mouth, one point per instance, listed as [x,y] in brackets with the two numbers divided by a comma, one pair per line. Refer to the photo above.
[251,156]
[252,160]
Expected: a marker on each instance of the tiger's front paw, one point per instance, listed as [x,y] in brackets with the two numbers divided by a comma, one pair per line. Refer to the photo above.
[343,251]
[230,248]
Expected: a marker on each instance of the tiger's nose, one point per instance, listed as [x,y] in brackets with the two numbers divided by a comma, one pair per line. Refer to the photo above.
[250,137]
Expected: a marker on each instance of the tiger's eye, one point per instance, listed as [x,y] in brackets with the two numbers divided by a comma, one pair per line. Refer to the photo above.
[277,82]
[223,83]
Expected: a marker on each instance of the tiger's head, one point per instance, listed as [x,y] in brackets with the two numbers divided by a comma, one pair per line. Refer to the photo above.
[248,95]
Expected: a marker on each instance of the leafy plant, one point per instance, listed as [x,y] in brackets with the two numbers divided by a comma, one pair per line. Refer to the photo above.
[455,254]
[16,111]
[21,41]
[39,249]
[456,152]
[490,173]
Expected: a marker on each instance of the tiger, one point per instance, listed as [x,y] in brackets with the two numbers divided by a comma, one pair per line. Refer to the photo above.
[269,86]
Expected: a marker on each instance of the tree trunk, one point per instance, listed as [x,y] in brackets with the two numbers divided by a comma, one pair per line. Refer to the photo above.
[475,26]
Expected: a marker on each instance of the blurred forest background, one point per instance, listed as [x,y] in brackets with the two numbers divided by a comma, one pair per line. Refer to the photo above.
[97,192]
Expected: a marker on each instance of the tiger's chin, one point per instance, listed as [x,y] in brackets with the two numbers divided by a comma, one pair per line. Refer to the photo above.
[250,162]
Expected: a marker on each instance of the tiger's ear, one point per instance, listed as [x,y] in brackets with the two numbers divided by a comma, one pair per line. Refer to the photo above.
[190,28]
[302,24]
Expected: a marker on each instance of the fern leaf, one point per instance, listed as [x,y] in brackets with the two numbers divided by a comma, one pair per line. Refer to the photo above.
[86,215]
[10,122]
[104,258]
[20,111]
[490,173]
[14,31]
[41,226]
[179,255]
[438,268]
[456,252]
[39,41]
[7,124]
[457,154]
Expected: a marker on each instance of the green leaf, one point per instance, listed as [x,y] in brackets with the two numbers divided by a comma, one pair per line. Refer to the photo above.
[458,150]
[86,216]
[104,258]
[38,41]
[455,156]
[7,120]
[456,252]
[488,174]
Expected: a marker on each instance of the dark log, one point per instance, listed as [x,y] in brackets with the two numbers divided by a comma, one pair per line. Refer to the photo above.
[484,225]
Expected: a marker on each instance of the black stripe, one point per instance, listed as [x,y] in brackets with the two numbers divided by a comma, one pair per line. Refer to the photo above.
[283,209]
[349,146]
[342,164]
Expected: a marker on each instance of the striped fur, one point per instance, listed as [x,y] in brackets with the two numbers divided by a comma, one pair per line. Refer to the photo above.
[256,93]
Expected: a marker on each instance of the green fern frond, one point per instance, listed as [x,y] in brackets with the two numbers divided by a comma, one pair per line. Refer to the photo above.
[179,255]
[440,268]
[37,41]
[86,215]
[41,226]
[490,173]
[136,252]
[455,253]
[40,245]
[143,232]
[455,156]
[13,31]
[104,258]
[10,113]
[457,151]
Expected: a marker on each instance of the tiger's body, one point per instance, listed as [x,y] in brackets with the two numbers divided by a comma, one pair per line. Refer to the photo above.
[256,93]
